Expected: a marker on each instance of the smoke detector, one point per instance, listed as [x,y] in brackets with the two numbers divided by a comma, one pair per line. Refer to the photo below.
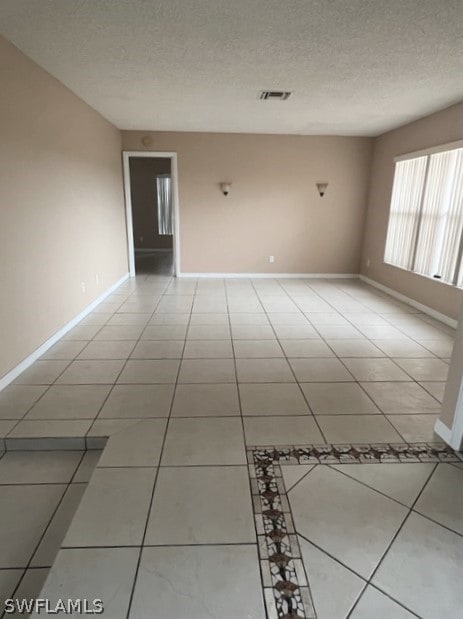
[276,95]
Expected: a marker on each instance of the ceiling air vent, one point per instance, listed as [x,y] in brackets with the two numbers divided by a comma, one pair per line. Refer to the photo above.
[275,95]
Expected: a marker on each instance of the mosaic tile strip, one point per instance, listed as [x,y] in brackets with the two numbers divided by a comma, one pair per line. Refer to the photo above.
[286,587]
[286,590]
[370,453]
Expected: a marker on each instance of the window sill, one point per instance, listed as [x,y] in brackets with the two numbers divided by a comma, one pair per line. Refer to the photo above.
[433,279]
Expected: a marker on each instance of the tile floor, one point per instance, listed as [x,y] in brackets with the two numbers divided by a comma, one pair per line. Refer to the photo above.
[397,550]
[39,494]
[330,518]
[183,375]
[331,360]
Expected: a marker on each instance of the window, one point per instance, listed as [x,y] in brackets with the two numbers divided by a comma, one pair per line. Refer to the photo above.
[425,232]
[164,199]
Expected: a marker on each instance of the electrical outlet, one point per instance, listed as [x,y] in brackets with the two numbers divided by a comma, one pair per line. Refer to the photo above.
[82,285]
[97,279]
[368,262]
[141,239]
[271,258]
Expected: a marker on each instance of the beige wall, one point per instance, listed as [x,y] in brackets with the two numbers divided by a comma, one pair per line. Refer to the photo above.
[440,128]
[143,172]
[61,206]
[273,208]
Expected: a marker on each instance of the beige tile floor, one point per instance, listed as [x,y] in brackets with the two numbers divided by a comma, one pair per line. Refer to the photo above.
[397,549]
[39,494]
[183,375]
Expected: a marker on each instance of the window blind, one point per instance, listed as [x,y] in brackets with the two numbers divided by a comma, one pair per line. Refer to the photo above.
[164,199]
[407,193]
[433,216]
[426,216]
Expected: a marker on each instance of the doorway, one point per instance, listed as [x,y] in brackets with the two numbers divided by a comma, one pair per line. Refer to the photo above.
[151,197]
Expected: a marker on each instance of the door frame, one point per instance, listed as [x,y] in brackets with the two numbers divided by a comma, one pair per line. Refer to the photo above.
[126,155]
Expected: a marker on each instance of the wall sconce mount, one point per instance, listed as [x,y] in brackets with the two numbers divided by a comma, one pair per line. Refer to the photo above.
[225,187]
[321,188]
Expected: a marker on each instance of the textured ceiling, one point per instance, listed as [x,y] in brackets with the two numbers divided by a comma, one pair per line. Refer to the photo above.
[357,67]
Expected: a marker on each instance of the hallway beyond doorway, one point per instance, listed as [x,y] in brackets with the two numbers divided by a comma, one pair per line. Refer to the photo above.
[154,262]
[151,195]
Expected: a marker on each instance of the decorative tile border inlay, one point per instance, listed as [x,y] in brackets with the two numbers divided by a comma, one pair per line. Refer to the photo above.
[286,587]
[286,590]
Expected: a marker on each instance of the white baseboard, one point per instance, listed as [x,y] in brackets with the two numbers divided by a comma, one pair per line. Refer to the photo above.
[272,275]
[445,433]
[16,371]
[419,306]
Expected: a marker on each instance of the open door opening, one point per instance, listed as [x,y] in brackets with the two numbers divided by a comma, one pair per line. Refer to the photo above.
[152,214]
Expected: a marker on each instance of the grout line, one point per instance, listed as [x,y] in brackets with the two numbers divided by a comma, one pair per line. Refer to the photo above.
[264,605]
[115,383]
[292,371]
[362,483]
[101,546]
[371,584]
[288,490]
[41,538]
[331,556]
[170,466]
[173,545]
[378,565]
[78,466]
[40,483]
[153,546]
[385,415]
[341,360]
[161,453]
[48,385]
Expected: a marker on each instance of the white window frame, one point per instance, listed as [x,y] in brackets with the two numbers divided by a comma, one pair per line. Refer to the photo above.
[427,152]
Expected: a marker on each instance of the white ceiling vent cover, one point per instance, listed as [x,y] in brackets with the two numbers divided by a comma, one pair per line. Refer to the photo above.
[276,95]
